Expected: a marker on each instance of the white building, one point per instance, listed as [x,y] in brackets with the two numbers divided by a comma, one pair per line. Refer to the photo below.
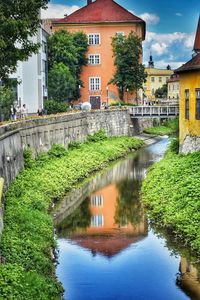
[32,76]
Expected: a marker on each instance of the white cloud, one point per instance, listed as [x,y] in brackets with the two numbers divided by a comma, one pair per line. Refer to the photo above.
[178,14]
[150,18]
[159,48]
[58,11]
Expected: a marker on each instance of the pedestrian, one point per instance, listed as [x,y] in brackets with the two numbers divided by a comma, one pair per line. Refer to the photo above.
[24,112]
[13,113]
[40,111]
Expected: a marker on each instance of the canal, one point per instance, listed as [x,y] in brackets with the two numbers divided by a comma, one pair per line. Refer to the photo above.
[108,249]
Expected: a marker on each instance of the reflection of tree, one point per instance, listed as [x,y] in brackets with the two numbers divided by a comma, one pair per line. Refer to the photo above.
[79,219]
[129,209]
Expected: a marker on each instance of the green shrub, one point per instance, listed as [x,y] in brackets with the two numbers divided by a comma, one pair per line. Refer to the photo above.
[168,127]
[74,145]
[98,136]
[28,158]
[53,107]
[57,151]
[174,146]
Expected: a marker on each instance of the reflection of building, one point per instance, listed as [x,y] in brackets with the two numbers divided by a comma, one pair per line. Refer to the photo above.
[173,87]
[190,100]
[156,78]
[104,235]
[100,20]
[32,76]
[188,280]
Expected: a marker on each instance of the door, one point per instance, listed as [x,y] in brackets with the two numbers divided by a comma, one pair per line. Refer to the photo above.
[95,102]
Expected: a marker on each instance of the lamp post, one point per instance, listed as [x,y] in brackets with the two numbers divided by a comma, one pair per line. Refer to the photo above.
[127,90]
[107,95]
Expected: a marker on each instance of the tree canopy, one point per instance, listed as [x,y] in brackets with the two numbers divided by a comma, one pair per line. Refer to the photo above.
[161,92]
[19,21]
[129,73]
[68,49]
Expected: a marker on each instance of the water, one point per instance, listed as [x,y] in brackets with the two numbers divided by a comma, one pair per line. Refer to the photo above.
[107,249]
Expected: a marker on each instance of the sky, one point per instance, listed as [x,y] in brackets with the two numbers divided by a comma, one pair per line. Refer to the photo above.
[171,26]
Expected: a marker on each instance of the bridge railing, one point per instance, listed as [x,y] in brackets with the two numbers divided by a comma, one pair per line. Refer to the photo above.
[151,111]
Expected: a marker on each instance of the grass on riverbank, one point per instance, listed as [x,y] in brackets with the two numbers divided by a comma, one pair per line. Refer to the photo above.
[171,194]
[28,271]
[167,128]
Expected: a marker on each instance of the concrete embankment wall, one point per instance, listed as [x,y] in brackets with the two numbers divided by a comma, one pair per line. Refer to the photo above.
[41,133]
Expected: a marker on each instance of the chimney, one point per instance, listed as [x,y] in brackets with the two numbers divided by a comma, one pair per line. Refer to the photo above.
[89,2]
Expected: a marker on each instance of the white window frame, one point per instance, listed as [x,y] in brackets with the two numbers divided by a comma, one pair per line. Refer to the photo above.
[97,221]
[96,200]
[94,84]
[92,39]
[94,59]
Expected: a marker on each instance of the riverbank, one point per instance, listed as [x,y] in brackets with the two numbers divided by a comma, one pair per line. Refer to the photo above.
[171,192]
[27,270]
[168,127]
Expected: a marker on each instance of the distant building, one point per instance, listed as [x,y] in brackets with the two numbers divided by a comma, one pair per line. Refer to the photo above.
[32,76]
[156,78]
[173,87]
[190,100]
[101,20]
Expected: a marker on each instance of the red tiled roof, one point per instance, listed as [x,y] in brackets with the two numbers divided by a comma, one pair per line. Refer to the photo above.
[174,78]
[197,39]
[191,65]
[101,11]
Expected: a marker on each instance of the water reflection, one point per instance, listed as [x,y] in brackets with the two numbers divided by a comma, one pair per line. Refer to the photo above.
[106,250]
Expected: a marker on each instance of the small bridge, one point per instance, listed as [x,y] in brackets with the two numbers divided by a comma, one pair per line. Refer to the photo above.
[153,111]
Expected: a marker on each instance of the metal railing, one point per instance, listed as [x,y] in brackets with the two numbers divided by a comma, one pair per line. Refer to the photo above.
[154,111]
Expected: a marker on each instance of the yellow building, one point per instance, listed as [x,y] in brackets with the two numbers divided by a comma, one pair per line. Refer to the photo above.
[156,78]
[190,100]
[173,87]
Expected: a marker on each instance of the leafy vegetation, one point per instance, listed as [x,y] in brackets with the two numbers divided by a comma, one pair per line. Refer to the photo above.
[161,92]
[53,107]
[130,73]
[67,56]
[27,242]
[167,128]
[19,21]
[171,194]
[6,100]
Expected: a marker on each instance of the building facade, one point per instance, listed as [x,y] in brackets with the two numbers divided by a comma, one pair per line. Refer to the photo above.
[31,76]
[173,87]
[156,78]
[101,20]
[190,100]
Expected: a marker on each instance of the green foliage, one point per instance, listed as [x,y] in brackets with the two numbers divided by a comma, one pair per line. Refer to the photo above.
[61,83]
[54,107]
[98,136]
[171,194]
[69,50]
[57,151]
[74,145]
[167,128]
[174,146]
[6,100]
[19,21]
[28,158]
[130,73]
[121,103]
[28,239]
[161,92]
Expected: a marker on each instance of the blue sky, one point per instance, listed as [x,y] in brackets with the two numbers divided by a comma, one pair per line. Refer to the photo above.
[171,26]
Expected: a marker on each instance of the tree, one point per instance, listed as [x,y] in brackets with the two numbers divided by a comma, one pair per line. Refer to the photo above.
[61,83]
[7,98]
[69,49]
[130,73]
[19,21]
[161,92]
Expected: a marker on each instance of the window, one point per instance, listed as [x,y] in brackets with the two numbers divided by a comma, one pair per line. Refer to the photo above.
[97,221]
[160,79]
[152,79]
[94,59]
[95,83]
[94,39]
[44,47]
[152,91]
[97,200]
[198,104]
[187,113]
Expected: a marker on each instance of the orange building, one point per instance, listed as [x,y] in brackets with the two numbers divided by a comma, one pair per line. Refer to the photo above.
[101,20]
